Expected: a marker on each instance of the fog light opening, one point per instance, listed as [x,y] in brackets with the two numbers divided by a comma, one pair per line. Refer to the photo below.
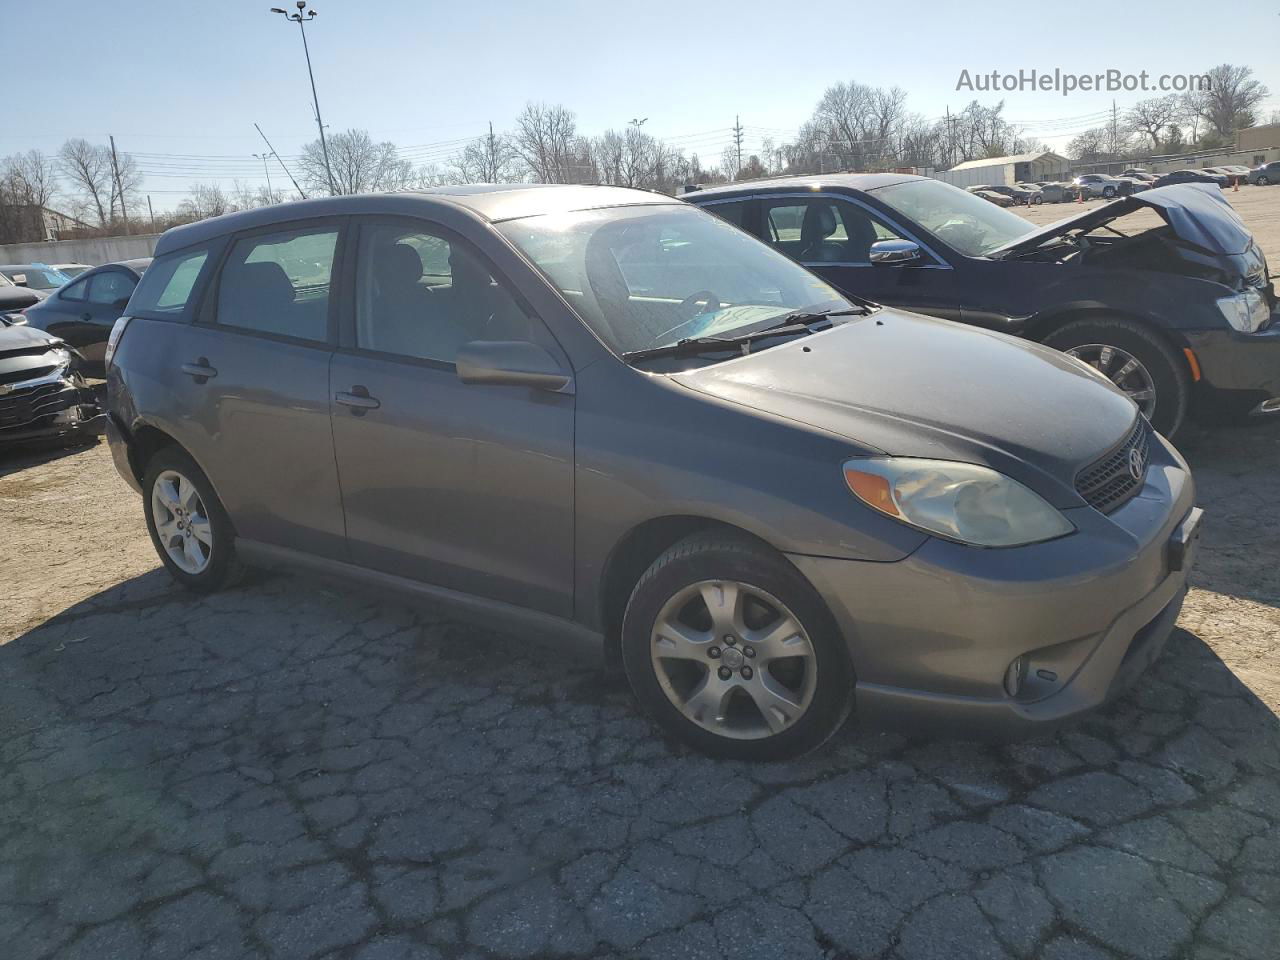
[1014,675]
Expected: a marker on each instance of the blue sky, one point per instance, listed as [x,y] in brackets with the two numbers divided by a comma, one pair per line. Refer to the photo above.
[182,83]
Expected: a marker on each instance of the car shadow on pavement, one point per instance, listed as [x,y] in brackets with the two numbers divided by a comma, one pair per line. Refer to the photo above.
[19,457]
[290,770]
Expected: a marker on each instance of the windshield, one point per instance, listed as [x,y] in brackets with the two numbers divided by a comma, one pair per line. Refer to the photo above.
[962,220]
[649,276]
[40,278]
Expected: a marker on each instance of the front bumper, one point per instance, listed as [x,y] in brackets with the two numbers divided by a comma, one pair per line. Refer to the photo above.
[1239,371]
[932,636]
[52,411]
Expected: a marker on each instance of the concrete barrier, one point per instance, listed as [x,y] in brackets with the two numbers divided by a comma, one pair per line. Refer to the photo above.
[93,252]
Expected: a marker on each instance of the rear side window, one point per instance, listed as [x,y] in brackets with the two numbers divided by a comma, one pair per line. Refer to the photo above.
[75,291]
[279,283]
[735,211]
[111,286]
[166,288]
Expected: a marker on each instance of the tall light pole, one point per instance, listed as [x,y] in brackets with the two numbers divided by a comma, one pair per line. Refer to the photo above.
[264,157]
[299,19]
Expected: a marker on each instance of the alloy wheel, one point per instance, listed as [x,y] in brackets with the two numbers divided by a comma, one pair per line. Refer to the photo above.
[181,521]
[733,659]
[1123,369]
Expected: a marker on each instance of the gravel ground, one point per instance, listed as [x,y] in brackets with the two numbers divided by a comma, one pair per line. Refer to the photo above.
[284,770]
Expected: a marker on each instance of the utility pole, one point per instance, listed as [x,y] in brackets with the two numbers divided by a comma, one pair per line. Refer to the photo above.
[267,170]
[151,213]
[301,193]
[1115,131]
[737,139]
[299,19]
[115,172]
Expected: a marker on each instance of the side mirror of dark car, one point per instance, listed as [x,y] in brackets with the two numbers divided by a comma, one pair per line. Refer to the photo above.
[894,253]
[512,363]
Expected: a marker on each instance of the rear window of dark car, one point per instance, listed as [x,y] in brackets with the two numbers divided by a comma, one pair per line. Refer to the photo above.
[169,288]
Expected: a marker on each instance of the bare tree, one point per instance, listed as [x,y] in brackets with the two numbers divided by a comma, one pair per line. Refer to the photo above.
[88,168]
[359,165]
[1232,98]
[546,140]
[205,200]
[1152,117]
[489,159]
[1091,145]
[31,176]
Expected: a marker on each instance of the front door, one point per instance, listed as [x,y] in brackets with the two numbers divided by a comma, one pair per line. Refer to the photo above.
[462,486]
[833,236]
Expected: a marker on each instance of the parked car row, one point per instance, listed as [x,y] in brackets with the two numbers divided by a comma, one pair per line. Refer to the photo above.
[734,451]
[46,315]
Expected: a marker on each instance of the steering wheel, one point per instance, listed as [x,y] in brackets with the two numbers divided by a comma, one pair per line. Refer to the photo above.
[710,304]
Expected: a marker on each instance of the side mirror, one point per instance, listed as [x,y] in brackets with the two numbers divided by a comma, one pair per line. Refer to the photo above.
[512,363]
[19,279]
[894,253]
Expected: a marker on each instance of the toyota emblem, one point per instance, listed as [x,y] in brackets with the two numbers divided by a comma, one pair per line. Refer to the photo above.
[1135,464]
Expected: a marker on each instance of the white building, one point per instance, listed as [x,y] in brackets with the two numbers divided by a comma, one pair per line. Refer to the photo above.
[1021,168]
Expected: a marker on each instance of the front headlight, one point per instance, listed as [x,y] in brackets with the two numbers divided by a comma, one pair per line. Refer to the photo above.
[959,501]
[1247,312]
[62,357]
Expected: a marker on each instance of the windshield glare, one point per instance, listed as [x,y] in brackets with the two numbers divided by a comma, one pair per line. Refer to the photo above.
[649,276]
[965,222]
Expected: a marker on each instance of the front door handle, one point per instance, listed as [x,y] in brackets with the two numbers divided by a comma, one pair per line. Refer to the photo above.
[357,399]
[200,370]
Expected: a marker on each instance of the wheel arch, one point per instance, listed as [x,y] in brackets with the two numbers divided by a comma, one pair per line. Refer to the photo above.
[632,555]
[1043,324]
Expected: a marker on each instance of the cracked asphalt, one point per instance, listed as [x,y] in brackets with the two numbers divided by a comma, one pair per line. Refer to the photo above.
[292,770]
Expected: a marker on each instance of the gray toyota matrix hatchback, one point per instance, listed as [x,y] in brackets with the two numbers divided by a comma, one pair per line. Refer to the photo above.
[607,415]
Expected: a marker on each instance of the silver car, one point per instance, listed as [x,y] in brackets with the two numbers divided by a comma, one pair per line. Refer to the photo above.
[612,417]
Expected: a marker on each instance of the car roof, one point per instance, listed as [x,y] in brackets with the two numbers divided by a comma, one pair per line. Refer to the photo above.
[813,182]
[491,202]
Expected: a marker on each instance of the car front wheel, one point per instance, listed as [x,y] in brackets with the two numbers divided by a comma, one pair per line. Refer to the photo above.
[1137,360]
[1108,192]
[189,528]
[1262,181]
[730,649]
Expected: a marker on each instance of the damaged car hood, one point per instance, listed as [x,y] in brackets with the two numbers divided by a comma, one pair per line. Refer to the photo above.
[1197,213]
[915,386]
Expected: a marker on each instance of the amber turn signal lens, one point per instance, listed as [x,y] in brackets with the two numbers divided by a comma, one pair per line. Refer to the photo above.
[872,490]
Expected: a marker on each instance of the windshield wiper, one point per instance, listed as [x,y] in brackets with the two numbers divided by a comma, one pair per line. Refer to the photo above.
[807,317]
[692,346]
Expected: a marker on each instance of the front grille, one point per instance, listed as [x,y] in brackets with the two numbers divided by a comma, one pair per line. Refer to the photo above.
[1110,481]
[26,406]
[30,373]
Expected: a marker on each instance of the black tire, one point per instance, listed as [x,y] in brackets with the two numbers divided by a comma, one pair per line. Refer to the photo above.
[1037,200]
[721,556]
[223,568]
[1108,192]
[1261,182]
[1168,370]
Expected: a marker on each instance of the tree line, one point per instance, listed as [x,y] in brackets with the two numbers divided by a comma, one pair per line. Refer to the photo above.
[853,126]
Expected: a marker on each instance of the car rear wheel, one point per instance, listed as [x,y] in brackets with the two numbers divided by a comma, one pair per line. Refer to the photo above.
[730,649]
[1108,192]
[189,528]
[1137,360]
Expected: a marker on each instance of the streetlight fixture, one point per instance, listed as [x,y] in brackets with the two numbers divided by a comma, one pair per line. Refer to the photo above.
[306,16]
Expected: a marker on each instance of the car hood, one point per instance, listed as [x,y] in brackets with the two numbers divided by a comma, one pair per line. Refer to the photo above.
[25,352]
[915,386]
[1198,213]
[13,299]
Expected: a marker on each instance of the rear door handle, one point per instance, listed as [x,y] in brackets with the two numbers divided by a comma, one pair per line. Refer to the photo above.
[200,370]
[358,399]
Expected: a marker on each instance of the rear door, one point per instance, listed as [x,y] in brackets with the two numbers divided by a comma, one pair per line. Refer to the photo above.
[463,486]
[82,312]
[250,385]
